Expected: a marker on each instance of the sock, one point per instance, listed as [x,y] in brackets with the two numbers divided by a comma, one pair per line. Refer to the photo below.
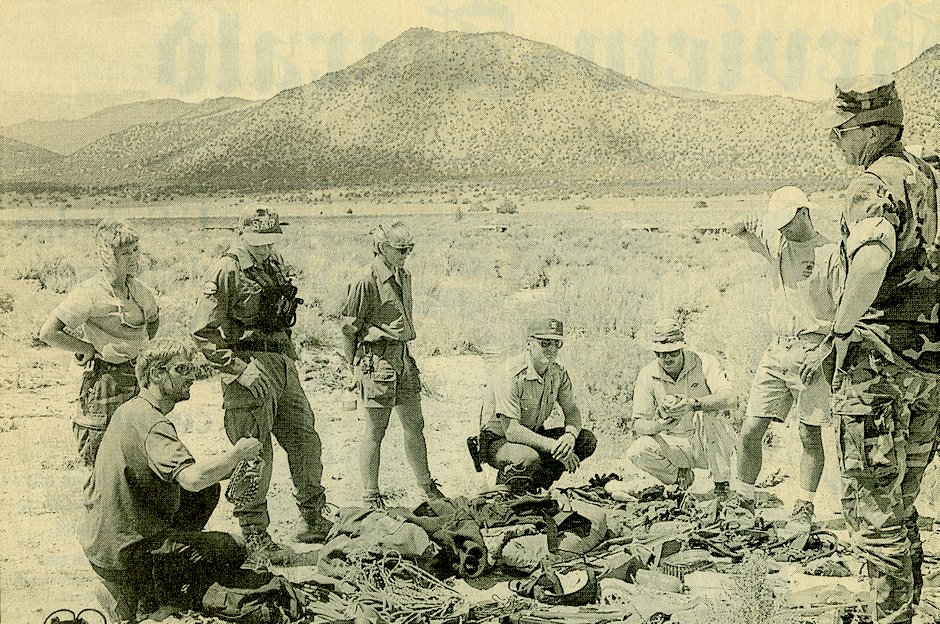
[744,489]
[806,495]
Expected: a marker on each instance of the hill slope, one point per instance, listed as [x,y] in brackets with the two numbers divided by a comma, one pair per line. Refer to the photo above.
[433,107]
[17,158]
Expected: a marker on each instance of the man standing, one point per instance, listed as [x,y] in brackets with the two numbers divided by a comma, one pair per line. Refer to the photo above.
[805,276]
[242,324]
[377,324]
[525,392]
[886,337]
[117,314]
[150,500]
[676,401]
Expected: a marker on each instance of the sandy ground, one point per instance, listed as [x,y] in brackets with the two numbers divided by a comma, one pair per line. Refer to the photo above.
[42,567]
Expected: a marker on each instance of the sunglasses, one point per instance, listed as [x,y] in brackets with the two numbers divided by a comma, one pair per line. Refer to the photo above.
[548,342]
[404,249]
[837,133]
[183,369]
[665,354]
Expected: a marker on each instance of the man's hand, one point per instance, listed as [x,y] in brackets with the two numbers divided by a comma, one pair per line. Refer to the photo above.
[246,448]
[564,446]
[842,349]
[391,330]
[255,379]
[676,407]
[812,364]
[570,462]
[86,355]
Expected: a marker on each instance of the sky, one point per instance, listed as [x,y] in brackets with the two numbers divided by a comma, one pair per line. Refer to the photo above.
[69,58]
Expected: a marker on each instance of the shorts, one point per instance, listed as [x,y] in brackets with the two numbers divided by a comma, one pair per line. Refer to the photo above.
[389,375]
[777,386]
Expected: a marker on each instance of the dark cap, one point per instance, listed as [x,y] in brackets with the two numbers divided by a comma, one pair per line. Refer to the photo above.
[667,336]
[259,225]
[547,328]
[864,100]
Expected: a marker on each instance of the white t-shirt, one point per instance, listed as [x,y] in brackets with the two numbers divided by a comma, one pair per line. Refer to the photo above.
[117,328]
[807,278]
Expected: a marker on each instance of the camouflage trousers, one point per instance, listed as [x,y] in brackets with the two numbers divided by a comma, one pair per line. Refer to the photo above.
[886,419]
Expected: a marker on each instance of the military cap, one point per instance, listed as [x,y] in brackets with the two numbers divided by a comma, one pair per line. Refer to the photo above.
[259,225]
[864,100]
[547,328]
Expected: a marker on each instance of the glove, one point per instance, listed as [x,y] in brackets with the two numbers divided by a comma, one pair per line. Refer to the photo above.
[243,484]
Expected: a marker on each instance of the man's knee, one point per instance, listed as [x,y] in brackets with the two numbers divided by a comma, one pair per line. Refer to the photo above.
[753,429]
[520,456]
[811,438]
[641,447]
[411,416]
[585,445]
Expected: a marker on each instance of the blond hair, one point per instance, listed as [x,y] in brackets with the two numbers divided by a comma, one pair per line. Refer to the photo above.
[157,354]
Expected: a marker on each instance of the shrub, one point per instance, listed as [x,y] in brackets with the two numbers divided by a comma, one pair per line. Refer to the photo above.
[507,207]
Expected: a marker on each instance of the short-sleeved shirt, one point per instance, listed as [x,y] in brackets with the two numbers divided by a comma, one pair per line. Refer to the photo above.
[806,284]
[227,308]
[894,203]
[379,298]
[108,320]
[701,376]
[521,394]
[134,493]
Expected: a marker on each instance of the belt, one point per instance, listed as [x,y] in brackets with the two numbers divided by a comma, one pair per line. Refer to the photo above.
[268,345]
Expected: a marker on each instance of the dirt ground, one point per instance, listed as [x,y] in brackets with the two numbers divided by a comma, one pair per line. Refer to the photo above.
[42,567]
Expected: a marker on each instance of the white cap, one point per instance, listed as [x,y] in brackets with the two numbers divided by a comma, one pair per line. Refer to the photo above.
[783,206]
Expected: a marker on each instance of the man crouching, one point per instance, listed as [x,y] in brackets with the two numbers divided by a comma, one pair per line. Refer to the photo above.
[514,441]
[150,500]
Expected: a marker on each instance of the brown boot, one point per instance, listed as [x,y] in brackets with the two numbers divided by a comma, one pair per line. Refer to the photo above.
[315,530]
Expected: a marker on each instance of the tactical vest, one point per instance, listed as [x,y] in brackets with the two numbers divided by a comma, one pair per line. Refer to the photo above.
[277,308]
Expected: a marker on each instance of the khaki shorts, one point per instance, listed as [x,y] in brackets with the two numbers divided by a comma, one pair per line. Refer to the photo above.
[389,375]
[777,387]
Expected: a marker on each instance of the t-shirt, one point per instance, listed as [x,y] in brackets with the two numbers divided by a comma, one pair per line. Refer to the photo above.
[520,393]
[116,328]
[807,277]
[701,376]
[134,493]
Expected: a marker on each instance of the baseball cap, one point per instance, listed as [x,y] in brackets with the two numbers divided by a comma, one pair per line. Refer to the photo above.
[547,328]
[667,336]
[866,99]
[783,206]
[259,225]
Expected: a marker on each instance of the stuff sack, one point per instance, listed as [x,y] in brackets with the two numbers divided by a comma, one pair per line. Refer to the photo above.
[273,601]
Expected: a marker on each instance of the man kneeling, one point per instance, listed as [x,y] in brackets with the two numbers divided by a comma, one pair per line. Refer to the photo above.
[525,391]
[150,499]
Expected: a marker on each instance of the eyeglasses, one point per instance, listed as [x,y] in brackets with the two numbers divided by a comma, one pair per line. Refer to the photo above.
[403,249]
[183,369]
[549,342]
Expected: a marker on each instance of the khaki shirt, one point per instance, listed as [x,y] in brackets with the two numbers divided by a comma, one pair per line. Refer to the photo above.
[228,306]
[373,303]
[701,376]
[521,394]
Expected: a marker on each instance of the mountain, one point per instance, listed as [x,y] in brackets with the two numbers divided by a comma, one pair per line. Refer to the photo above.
[65,136]
[432,107]
[22,159]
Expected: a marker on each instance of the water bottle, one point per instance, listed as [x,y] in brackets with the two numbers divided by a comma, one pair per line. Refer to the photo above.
[350,400]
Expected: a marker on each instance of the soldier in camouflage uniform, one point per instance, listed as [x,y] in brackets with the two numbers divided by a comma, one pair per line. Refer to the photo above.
[886,335]
[242,325]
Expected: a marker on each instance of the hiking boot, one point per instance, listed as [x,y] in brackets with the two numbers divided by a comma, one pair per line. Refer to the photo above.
[801,519]
[432,490]
[736,499]
[722,491]
[314,531]
[516,480]
[373,500]
[684,479]
[264,551]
